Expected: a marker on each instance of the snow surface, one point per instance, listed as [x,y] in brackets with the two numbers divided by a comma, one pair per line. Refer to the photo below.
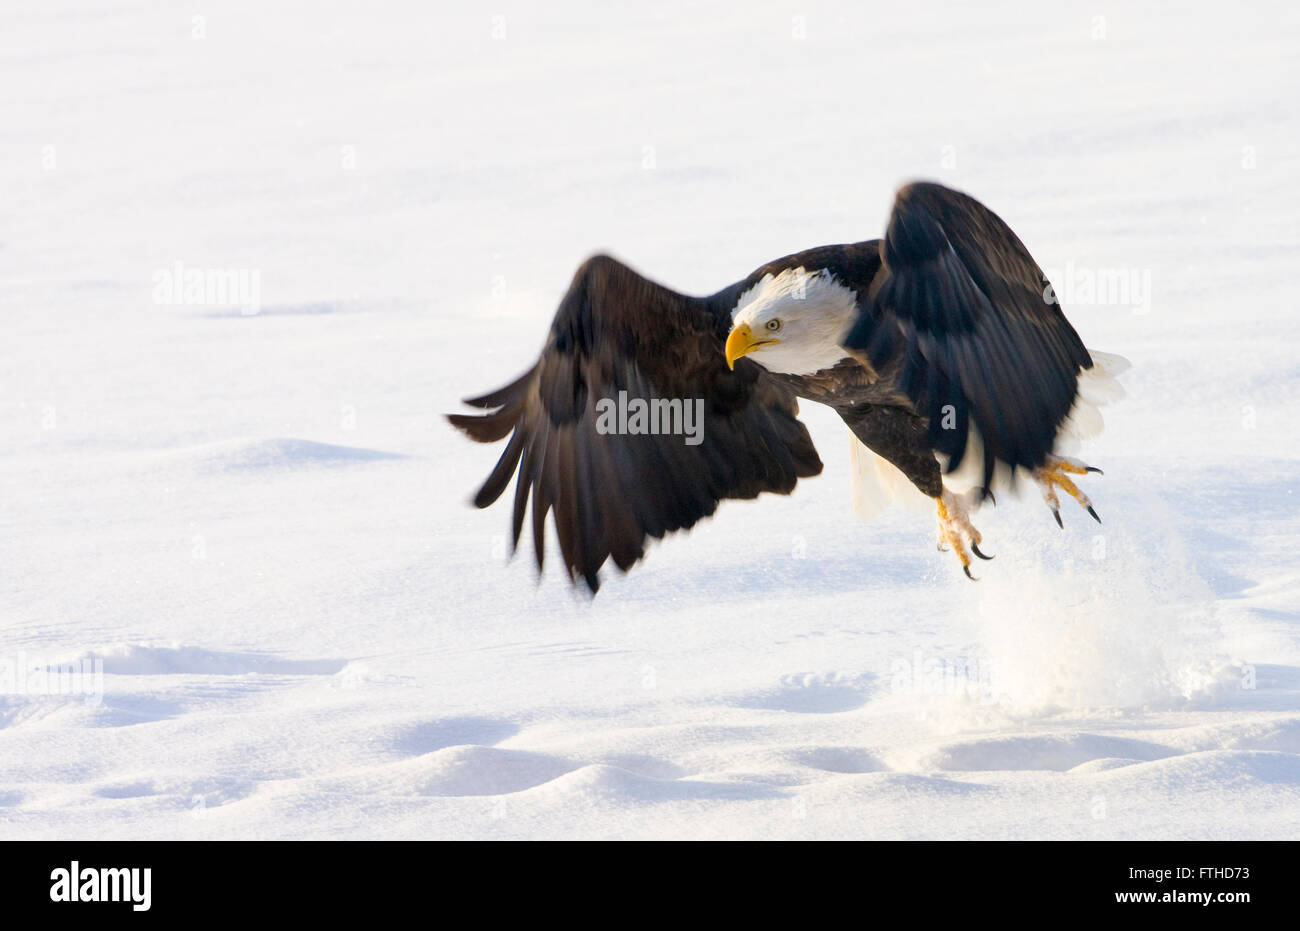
[258,523]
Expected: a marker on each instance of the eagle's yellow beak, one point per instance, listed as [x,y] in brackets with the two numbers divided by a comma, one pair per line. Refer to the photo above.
[741,342]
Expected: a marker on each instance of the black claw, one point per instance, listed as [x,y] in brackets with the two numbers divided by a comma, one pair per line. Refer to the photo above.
[966,569]
[1094,469]
[1094,514]
[988,493]
[976,550]
[1057,515]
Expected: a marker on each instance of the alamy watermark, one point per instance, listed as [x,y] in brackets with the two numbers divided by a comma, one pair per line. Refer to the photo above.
[21,674]
[1112,287]
[77,883]
[652,416]
[962,676]
[209,287]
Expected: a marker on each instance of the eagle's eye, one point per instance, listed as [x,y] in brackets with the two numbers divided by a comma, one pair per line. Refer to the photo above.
[774,325]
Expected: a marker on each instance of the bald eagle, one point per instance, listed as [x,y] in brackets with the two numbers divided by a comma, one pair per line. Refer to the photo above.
[940,345]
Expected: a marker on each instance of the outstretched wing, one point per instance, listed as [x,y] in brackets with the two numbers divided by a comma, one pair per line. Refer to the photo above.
[981,338]
[617,332]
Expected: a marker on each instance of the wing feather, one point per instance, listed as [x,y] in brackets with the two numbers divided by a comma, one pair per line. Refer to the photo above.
[963,305]
[608,492]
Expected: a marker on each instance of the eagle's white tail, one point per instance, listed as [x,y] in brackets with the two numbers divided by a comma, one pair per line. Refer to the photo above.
[878,485]
[1098,386]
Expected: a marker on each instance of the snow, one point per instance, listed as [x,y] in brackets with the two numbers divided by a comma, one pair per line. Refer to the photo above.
[251,530]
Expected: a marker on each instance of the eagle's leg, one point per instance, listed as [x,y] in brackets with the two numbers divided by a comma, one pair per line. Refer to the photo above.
[955,528]
[1054,474]
[899,436]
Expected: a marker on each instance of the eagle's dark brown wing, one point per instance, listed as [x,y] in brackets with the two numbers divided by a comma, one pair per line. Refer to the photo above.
[981,338]
[617,332]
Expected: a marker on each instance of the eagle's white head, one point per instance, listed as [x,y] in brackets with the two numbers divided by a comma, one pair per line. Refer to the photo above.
[792,322]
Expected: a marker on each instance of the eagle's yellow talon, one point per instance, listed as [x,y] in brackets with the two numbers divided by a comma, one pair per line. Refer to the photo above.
[1054,475]
[955,528]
